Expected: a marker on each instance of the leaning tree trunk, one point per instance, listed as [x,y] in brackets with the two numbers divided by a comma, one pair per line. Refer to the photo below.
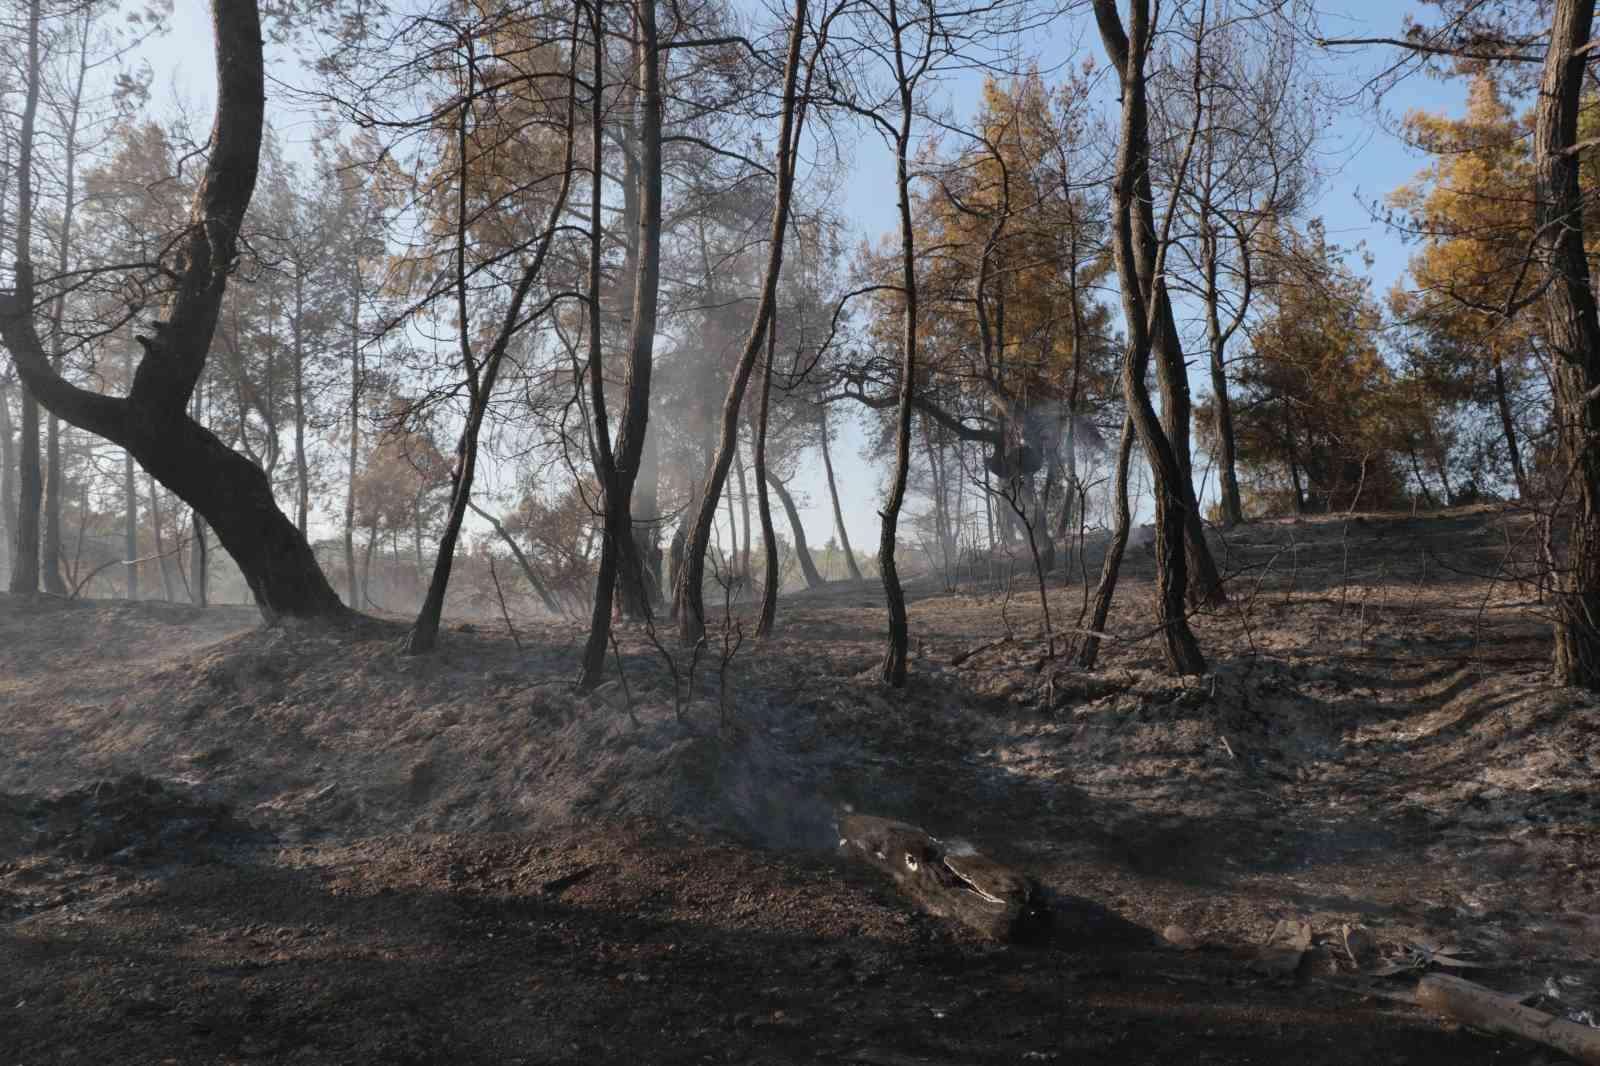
[691,619]
[481,377]
[1089,653]
[1572,326]
[152,422]
[808,567]
[833,494]
[1508,427]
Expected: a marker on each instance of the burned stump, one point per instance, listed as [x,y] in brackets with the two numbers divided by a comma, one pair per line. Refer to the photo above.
[950,879]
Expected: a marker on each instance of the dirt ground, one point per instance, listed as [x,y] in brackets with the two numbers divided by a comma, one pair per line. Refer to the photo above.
[221,843]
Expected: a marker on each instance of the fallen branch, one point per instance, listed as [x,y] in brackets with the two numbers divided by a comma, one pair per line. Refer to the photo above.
[1496,1012]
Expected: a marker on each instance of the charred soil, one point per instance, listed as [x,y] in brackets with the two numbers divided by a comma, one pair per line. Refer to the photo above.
[224,843]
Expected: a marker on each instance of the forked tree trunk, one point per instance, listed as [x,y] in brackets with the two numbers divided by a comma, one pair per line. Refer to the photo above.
[1138,269]
[691,618]
[1573,331]
[616,468]
[152,422]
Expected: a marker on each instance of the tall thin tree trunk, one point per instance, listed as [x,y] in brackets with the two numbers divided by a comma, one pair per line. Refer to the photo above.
[617,468]
[302,469]
[744,507]
[833,495]
[130,523]
[353,459]
[161,547]
[8,481]
[50,540]
[769,537]
[199,560]
[808,567]
[1508,427]
[481,376]
[898,644]
[1089,654]
[25,562]
[691,619]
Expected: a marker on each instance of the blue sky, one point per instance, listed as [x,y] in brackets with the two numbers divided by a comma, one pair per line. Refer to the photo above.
[1361,159]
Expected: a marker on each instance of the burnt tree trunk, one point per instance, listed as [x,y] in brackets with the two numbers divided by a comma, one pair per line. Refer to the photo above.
[1138,269]
[617,468]
[691,620]
[898,644]
[769,536]
[1508,427]
[1089,651]
[1572,327]
[152,422]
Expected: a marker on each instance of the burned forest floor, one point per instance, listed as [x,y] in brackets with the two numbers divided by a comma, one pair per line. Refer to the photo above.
[223,843]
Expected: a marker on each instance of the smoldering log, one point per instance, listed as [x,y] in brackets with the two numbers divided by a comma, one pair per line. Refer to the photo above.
[949,879]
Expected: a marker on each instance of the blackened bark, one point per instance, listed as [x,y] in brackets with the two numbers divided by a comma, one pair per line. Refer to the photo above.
[691,619]
[769,536]
[152,421]
[1508,427]
[1573,331]
[898,645]
[130,523]
[1134,241]
[8,481]
[481,377]
[617,469]
[1089,653]
[30,494]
